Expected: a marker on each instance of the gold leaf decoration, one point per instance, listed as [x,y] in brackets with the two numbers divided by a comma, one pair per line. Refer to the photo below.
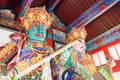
[37,15]
[76,34]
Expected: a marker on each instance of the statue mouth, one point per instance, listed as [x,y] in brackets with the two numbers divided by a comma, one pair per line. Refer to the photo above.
[39,35]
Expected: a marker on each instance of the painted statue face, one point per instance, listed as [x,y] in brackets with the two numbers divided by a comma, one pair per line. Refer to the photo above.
[80,46]
[113,63]
[37,33]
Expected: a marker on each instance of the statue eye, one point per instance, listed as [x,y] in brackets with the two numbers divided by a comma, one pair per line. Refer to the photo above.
[79,40]
[52,61]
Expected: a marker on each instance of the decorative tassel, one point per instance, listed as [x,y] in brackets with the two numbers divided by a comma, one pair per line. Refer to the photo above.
[46,71]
